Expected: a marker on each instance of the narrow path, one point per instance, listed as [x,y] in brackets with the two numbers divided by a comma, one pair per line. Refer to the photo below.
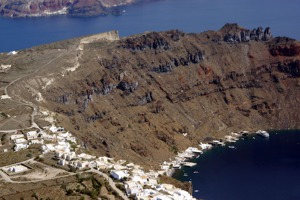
[111,183]
[34,107]
[8,179]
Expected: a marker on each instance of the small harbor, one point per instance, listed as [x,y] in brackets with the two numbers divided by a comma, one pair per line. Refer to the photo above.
[247,163]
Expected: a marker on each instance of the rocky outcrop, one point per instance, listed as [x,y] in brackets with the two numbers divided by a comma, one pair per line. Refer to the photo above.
[283,46]
[233,33]
[152,41]
[35,8]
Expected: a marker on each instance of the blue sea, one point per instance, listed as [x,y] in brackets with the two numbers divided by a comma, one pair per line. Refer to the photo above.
[257,169]
[156,15]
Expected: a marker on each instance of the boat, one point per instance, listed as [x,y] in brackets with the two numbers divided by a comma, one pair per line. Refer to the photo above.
[205,146]
[264,134]
[231,147]
[196,172]
[189,164]
[185,174]
[217,142]
[196,190]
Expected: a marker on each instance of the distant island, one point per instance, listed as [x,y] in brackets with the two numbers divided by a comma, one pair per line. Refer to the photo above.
[38,8]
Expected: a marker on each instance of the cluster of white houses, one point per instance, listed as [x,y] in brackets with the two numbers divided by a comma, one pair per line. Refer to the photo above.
[138,183]
[57,139]
[22,141]
[144,186]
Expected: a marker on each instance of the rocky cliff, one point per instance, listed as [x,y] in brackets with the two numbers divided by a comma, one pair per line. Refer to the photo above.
[145,97]
[30,8]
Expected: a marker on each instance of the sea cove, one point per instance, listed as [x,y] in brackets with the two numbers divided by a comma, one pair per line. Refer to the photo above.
[189,16]
[257,168]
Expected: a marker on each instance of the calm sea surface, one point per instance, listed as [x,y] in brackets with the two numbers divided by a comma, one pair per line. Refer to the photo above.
[258,168]
[157,15]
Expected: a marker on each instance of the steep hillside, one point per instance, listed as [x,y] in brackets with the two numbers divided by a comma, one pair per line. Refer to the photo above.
[135,97]
[35,8]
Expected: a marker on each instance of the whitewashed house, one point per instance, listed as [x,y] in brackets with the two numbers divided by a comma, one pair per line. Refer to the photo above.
[69,156]
[20,146]
[59,154]
[37,141]
[82,164]
[62,162]
[20,140]
[32,135]
[48,147]
[71,139]
[105,159]
[55,129]
[12,53]
[132,188]
[119,175]
[48,137]
[16,136]
[161,197]
[86,156]
[17,168]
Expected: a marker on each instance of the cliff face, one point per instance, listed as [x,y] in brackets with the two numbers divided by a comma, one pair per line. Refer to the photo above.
[27,8]
[134,98]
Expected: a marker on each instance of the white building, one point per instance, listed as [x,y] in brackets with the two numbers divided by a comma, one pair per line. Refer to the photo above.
[48,147]
[82,164]
[16,136]
[12,53]
[20,146]
[132,188]
[62,162]
[55,129]
[161,197]
[105,159]
[48,137]
[17,168]
[119,175]
[71,139]
[36,142]
[86,156]
[20,140]
[70,156]
[32,135]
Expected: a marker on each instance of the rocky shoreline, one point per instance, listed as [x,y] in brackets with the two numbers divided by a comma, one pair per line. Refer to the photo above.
[83,8]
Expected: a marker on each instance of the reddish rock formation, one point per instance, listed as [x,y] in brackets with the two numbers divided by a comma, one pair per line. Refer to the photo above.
[27,8]
[135,97]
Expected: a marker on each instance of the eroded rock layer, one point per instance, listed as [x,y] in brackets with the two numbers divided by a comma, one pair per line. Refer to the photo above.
[135,98]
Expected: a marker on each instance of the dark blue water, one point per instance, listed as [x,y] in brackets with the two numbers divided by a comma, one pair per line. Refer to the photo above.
[157,15]
[257,169]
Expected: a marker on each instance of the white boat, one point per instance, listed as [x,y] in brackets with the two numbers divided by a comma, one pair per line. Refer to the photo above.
[217,142]
[189,164]
[264,134]
[196,190]
[231,147]
[205,146]
[196,172]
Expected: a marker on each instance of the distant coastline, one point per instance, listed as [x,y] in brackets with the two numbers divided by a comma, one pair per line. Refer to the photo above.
[81,8]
